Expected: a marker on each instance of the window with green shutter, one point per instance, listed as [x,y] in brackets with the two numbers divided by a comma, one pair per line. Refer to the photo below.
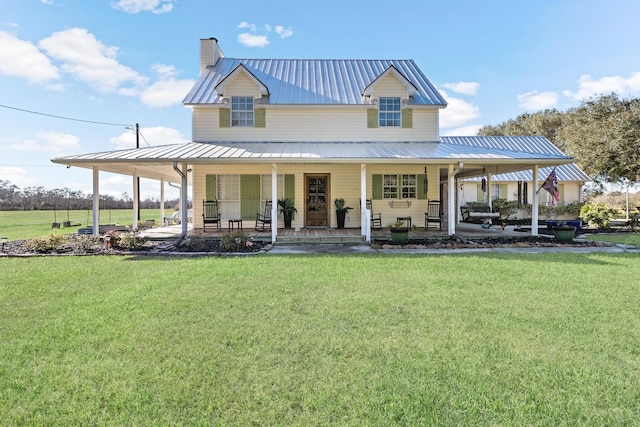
[225,117]
[211,190]
[372,118]
[407,118]
[259,118]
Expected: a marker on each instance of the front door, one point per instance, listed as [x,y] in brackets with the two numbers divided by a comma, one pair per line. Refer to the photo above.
[317,197]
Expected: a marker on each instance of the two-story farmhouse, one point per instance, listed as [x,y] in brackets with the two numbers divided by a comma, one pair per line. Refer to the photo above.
[315,130]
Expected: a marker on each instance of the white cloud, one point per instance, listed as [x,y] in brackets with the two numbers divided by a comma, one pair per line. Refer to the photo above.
[49,141]
[535,101]
[465,88]
[152,136]
[458,112]
[245,24]
[284,32]
[167,90]
[22,59]
[137,6]
[470,130]
[17,176]
[253,40]
[588,87]
[89,60]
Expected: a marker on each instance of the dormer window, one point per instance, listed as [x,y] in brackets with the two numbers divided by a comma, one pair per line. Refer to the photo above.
[241,111]
[389,112]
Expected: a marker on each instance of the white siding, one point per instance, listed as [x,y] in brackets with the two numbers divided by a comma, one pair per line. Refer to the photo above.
[314,124]
[242,85]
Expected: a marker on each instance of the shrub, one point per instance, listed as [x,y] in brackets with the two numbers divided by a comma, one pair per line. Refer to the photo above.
[235,241]
[571,209]
[597,214]
[505,207]
[130,241]
[48,243]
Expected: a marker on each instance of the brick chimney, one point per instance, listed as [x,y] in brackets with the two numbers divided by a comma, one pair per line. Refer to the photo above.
[210,52]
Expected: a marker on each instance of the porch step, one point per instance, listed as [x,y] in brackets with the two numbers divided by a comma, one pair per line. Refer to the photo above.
[319,240]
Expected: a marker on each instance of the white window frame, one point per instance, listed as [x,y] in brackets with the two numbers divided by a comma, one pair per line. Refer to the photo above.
[242,111]
[389,109]
[400,186]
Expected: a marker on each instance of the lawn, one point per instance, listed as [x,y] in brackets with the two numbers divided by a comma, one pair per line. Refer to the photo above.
[486,339]
[26,224]
[624,238]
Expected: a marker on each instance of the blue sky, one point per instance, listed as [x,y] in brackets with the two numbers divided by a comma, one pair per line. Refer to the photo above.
[123,62]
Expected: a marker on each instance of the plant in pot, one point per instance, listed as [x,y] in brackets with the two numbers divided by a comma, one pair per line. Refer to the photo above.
[341,211]
[287,209]
[564,232]
[399,233]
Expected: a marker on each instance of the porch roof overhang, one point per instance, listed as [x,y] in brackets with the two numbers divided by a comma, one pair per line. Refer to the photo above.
[157,162]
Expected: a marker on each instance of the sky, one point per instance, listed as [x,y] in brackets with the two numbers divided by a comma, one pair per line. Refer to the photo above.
[77,75]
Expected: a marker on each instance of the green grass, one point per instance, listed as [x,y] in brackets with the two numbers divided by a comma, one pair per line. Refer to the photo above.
[487,339]
[623,238]
[26,224]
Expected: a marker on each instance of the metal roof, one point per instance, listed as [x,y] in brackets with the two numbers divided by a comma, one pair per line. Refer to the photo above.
[568,172]
[314,81]
[156,162]
[529,144]
[304,150]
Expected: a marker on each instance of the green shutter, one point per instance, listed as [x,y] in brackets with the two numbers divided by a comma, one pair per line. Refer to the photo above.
[211,191]
[290,189]
[480,194]
[249,196]
[407,118]
[504,191]
[376,187]
[225,117]
[372,118]
[422,185]
[259,119]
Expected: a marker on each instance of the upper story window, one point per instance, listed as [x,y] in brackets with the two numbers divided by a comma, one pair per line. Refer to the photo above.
[241,111]
[389,112]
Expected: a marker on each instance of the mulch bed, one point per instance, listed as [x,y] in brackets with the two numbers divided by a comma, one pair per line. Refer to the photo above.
[89,245]
[486,243]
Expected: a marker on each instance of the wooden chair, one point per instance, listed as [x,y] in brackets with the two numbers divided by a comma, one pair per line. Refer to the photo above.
[210,214]
[376,218]
[264,218]
[433,213]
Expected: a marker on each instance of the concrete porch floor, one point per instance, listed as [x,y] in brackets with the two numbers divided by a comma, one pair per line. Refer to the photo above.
[313,234]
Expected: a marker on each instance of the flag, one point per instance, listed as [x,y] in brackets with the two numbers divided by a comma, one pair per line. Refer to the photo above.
[551,185]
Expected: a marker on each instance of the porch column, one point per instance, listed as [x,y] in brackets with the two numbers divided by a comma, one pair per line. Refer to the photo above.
[365,215]
[184,206]
[489,203]
[274,202]
[96,202]
[534,203]
[162,201]
[136,200]
[451,199]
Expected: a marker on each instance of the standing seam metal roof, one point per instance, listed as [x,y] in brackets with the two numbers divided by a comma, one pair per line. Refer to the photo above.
[314,81]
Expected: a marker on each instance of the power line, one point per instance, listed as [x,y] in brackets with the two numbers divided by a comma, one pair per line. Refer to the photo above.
[62,117]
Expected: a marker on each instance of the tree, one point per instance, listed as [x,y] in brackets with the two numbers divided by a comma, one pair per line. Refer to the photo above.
[604,135]
[543,123]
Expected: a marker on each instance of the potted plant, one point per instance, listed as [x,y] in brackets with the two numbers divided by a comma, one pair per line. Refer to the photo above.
[341,211]
[564,232]
[399,233]
[287,209]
